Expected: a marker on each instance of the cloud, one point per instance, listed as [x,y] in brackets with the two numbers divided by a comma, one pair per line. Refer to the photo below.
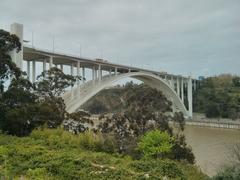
[181,37]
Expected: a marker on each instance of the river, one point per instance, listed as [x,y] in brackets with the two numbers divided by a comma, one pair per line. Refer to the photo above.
[211,146]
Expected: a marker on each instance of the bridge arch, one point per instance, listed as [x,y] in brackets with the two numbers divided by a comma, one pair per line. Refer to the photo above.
[80,94]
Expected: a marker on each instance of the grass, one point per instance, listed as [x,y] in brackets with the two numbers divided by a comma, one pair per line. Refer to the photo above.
[56,154]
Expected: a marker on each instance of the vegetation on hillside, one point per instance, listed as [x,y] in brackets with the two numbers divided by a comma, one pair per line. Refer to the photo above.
[114,100]
[57,154]
[219,97]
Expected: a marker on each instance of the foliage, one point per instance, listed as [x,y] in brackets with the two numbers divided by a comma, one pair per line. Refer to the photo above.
[86,140]
[114,100]
[97,107]
[23,105]
[145,109]
[8,42]
[138,117]
[155,143]
[76,122]
[56,154]
[181,151]
[18,108]
[236,81]
[218,97]
[52,83]
[229,173]
[165,167]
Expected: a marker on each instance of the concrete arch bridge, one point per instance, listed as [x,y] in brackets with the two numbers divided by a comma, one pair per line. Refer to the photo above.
[103,74]
[79,95]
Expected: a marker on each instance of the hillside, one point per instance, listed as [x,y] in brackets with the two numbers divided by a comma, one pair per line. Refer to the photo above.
[114,99]
[218,96]
[57,154]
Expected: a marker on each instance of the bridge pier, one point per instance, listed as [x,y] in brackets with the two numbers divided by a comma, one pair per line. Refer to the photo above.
[172,82]
[93,74]
[50,62]
[99,73]
[78,71]
[83,74]
[28,70]
[33,71]
[71,69]
[17,58]
[182,90]
[178,87]
[44,65]
[190,109]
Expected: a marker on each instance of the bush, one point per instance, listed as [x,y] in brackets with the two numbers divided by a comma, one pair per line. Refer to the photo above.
[155,143]
[180,150]
[155,166]
[212,110]
[228,173]
[88,140]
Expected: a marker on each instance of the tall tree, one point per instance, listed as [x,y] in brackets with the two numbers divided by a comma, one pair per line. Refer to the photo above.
[8,42]
[49,87]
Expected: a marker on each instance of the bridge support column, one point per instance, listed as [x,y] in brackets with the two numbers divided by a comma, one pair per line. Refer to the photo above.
[178,87]
[172,82]
[71,70]
[17,58]
[99,73]
[83,74]
[44,65]
[50,62]
[110,72]
[115,72]
[78,71]
[93,73]
[190,109]
[182,90]
[28,70]
[33,71]
[61,67]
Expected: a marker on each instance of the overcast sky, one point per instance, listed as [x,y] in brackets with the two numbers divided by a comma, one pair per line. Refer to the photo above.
[178,36]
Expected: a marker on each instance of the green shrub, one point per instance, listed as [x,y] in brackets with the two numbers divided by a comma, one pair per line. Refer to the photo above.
[155,143]
[37,174]
[158,167]
[228,173]
[88,140]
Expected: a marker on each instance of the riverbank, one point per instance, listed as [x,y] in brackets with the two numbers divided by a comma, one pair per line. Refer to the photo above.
[201,120]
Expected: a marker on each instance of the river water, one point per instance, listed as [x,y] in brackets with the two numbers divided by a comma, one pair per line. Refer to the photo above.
[211,146]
